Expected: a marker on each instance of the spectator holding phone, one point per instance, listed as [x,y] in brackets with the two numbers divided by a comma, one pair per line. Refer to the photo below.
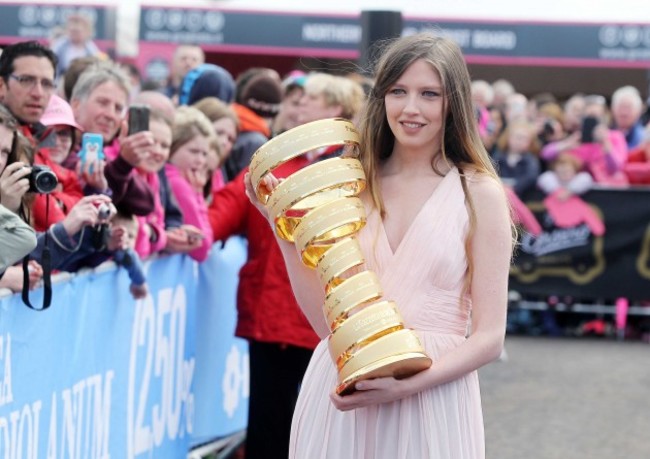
[602,151]
[181,238]
[187,172]
[99,101]
[153,234]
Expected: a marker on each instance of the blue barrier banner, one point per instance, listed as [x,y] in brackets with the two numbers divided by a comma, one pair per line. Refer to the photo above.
[101,375]
[221,374]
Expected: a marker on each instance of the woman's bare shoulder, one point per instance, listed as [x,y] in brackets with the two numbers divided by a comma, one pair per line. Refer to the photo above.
[486,191]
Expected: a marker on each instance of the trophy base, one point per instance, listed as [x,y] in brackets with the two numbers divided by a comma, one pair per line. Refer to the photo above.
[398,366]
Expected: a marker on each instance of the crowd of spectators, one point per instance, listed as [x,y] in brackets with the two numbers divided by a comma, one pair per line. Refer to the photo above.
[609,144]
[205,125]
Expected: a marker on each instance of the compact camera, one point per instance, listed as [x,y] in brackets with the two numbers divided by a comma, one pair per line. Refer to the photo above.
[103,212]
[42,179]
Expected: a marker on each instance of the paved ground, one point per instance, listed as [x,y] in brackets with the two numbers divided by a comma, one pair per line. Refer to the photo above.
[568,398]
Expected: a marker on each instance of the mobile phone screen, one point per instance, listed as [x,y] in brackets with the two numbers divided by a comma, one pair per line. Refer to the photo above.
[589,123]
[138,118]
[92,150]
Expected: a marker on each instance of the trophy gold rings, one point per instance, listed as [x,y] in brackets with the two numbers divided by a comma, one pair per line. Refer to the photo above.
[318,209]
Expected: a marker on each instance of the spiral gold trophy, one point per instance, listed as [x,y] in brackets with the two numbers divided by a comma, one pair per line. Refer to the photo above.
[317,208]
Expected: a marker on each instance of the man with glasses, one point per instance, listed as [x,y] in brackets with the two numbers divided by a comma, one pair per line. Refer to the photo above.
[27,82]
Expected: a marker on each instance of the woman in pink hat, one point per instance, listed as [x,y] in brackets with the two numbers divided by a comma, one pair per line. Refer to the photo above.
[64,130]
[55,154]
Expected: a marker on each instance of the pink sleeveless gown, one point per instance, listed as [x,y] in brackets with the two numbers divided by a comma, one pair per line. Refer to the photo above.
[425,277]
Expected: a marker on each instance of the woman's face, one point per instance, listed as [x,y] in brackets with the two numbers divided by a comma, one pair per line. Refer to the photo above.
[6,139]
[159,153]
[63,136]
[289,115]
[314,107]
[414,108]
[192,157]
[226,131]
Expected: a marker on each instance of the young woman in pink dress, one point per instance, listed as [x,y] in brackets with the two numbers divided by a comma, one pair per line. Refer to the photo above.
[438,235]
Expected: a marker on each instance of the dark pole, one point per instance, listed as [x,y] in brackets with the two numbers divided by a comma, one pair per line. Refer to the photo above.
[375,27]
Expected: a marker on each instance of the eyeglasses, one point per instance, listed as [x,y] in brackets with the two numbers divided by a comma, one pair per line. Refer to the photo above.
[30,81]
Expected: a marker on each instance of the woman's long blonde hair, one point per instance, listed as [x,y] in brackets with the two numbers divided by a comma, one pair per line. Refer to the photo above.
[461,144]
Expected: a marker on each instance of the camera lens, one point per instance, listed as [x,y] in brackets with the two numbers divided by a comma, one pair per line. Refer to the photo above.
[103,212]
[42,180]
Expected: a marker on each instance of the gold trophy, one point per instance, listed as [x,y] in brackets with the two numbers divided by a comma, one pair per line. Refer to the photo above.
[317,208]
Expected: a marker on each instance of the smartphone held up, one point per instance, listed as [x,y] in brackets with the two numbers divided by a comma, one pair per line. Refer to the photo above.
[92,151]
[138,118]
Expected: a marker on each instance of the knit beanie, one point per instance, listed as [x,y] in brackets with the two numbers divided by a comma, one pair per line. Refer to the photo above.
[262,94]
[207,80]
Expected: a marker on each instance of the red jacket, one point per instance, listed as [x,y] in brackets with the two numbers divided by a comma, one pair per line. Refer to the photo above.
[67,194]
[62,200]
[637,168]
[267,309]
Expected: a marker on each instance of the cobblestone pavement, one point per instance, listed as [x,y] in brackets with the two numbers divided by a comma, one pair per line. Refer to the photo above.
[568,398]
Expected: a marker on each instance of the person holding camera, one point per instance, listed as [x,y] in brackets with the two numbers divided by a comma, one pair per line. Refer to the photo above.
[72,245]
[27,72]
[602,151]
[14,184]
[17,238]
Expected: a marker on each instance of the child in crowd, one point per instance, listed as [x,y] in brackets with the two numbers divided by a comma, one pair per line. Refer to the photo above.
[518,167]
[180,238]
[565,177]
[127,256]
[151,235]
[187,172]
[563,184]
[226,128]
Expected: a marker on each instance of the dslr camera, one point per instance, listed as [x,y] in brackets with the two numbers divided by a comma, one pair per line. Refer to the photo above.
[42,179]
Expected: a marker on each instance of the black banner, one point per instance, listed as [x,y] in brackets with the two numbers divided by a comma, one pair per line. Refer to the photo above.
[573,261]
[497,41]
[616,42]
[219,27]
